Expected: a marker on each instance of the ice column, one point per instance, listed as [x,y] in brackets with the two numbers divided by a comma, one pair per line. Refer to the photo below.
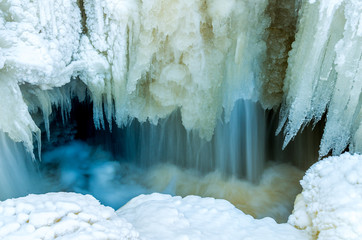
[325,74]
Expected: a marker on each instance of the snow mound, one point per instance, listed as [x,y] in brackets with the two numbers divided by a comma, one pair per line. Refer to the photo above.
[330,206]
[159,216]
[61,216]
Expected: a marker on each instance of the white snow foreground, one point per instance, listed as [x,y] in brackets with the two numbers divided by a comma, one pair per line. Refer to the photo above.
[159,216]
[61,216]
[330,206]
[147,217]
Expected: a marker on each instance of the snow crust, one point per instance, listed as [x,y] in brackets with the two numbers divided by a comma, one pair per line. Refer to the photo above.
[156,216]
[159,216]
[61,216]
[330,205]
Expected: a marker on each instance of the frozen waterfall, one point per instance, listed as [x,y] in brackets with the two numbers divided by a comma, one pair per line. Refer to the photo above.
[184,82]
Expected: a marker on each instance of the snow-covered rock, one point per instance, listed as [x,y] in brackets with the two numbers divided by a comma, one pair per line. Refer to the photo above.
[147,217]
[159,216]
[61,216]
[330,206]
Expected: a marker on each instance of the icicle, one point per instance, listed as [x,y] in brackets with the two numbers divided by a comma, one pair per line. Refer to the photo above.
[165,55]
[324,71]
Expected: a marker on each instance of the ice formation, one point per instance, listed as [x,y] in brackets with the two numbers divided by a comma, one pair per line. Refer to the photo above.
[61,216]
[75,216]
[145,59]
[38,40]
[160,216]
[138,59]
[329,206]
[159,56]
[325,73]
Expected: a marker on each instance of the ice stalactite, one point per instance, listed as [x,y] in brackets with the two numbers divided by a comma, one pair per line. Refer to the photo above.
[147,59]
[324,74]
[37,42]
[157,56]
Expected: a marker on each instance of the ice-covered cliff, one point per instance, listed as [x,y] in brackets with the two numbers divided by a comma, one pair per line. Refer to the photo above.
[145,59]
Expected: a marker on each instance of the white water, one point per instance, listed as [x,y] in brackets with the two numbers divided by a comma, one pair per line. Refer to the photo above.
[18,174]
[82,168]
[236,149]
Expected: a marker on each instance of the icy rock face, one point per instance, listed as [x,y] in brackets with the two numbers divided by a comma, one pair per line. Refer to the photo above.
[156,56]
[325,73]
[280,36]
[330,205]
[61,216]
[38,39]
[159,216]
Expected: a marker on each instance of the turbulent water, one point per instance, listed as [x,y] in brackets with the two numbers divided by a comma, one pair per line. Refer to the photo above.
[82,168]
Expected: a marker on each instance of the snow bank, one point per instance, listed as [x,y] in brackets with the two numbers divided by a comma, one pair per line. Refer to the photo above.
[272,197]
[324,73]
[61,216]
[147,217]
[330,206]
[159,216]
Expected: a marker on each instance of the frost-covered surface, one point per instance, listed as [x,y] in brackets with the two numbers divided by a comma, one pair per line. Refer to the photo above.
[156,56]
[325,72]
[145,59]
[330,206]
[156,216]
[61,216]
[141,59]
[38,39]
[159,216]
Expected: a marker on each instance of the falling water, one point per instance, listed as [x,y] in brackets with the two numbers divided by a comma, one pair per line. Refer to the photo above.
[236,149]
[18,174]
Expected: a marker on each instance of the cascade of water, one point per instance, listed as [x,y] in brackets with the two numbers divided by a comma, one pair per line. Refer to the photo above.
[18,174]
[236,149]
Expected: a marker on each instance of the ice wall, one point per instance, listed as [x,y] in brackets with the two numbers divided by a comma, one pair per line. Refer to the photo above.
[157,56]
[325,74]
